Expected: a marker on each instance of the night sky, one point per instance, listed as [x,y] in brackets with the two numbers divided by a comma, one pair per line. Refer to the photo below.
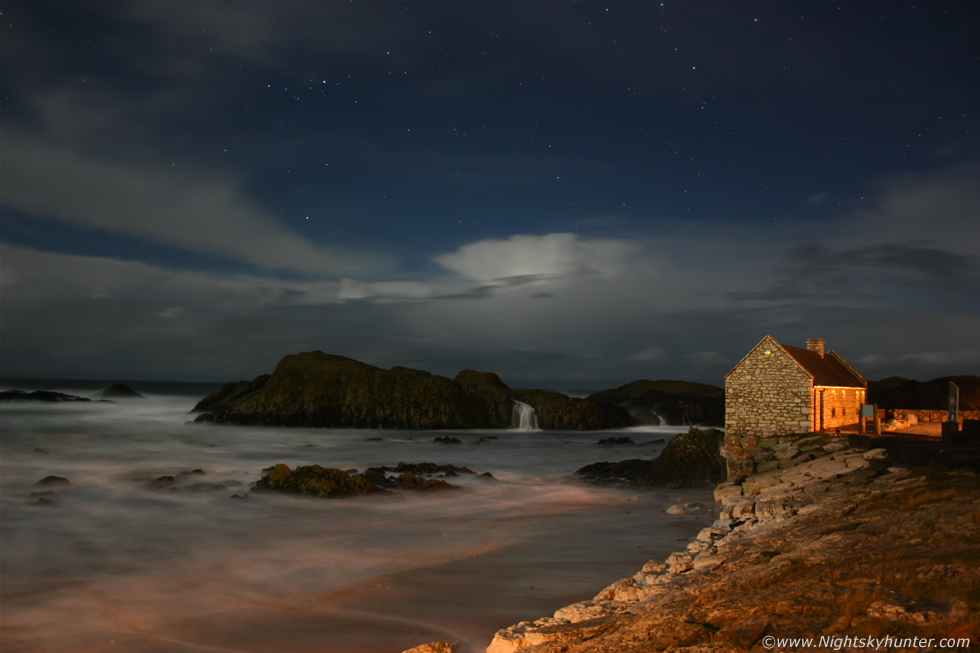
[572,195]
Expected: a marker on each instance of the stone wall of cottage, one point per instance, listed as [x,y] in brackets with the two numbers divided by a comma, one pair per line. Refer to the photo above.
[767,394]
[841,407]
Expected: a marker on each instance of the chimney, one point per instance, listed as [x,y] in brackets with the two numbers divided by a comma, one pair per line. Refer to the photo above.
[815,345]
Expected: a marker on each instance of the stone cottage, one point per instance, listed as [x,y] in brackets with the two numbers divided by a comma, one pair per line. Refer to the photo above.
[777,389]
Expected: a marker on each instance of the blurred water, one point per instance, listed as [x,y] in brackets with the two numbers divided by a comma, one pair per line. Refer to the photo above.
[108,563]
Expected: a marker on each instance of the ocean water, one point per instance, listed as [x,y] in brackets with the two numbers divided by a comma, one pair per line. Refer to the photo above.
[111,563]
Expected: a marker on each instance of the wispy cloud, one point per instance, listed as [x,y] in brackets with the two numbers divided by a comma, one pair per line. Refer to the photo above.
[191,208]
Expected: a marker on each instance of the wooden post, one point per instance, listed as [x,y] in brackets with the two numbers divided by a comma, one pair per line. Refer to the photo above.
[877,422]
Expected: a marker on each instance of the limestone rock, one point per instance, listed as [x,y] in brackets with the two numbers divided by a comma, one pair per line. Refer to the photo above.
[440,647]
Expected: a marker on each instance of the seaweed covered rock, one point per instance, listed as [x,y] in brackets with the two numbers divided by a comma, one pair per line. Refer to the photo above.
[315,480]
[666,402]
[691,459]
[331,483]
[408,481]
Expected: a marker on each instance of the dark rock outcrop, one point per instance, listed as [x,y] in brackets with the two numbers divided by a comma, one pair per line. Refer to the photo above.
[119,391]
[39,395]
[667,402]
[692,459]
[493,392]
[229,393]
[53,481]
[558,411]
[324,390]
[317,389]
[611,442]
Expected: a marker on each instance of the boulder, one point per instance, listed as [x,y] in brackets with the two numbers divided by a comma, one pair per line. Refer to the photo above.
[691,459]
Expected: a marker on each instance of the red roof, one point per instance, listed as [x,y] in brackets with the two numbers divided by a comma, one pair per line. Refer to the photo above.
[829,370]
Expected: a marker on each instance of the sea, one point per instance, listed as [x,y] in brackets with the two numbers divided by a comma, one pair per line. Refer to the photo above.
[118,561]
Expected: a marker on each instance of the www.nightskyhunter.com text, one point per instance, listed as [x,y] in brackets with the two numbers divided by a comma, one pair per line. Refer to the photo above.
[887,642]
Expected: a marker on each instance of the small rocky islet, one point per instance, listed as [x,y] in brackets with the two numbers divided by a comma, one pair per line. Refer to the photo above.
[106,395]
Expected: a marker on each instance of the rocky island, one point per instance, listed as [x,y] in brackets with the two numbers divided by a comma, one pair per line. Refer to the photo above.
[315,389]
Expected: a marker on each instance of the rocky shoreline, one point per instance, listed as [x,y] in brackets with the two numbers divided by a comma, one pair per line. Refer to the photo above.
[830,542]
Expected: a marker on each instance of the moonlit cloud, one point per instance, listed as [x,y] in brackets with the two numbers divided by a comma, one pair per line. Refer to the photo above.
[550,256]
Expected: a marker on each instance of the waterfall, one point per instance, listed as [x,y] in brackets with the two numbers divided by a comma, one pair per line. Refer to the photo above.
[523,418]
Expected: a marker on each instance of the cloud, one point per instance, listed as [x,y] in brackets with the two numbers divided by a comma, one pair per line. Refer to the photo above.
[913,248]
[546,257]
[190,208]
[351,289]
[648,354]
